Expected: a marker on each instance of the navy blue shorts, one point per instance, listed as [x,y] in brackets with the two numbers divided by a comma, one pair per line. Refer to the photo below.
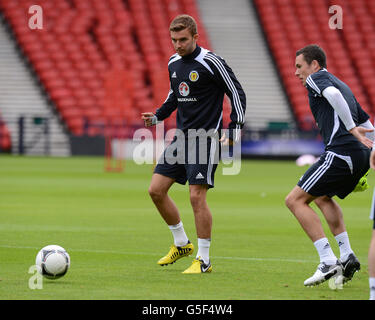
[197,164]
[335,174]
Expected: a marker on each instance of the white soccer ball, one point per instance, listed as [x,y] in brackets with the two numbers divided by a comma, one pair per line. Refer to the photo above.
[306,160]
[52,261]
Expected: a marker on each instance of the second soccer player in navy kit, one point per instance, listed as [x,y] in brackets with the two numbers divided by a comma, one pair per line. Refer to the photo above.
[344,127]
[198,81]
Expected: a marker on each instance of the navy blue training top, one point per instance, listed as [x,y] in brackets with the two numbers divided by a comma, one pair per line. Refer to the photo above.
[332,129]
[198,83]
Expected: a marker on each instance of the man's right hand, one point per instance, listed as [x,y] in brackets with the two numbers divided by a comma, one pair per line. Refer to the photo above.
[149,119]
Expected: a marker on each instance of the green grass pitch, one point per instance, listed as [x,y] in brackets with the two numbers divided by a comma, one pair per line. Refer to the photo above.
[114,235]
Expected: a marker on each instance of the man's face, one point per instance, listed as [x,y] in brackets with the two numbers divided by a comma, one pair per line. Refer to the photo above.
[183,42]
[303,69]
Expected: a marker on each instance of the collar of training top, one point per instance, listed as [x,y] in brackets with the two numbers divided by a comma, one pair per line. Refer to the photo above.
[193,55]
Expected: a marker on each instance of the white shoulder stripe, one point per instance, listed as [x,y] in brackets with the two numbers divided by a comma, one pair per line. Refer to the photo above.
[200,59]
[224,74]
[174,58]
[312,84]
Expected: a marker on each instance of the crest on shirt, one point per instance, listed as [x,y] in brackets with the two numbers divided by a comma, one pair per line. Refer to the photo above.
[184,89]
[193,76]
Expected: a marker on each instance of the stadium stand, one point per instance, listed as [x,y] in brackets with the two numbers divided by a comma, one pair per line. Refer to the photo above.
[22,97]
[101,63]
[239,39]
[291,24]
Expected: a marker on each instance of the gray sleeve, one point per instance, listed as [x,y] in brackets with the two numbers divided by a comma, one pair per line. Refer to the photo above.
[339,104]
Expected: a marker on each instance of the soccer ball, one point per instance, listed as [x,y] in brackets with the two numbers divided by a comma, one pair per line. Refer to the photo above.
[306,160]
[52,262]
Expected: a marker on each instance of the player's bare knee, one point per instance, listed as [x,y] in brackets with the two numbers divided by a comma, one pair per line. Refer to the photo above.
[156,194]
[290,201]
[197,199]
[321,201]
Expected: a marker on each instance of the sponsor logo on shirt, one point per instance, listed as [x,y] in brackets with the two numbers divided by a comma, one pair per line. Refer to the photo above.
[187,99]
[184,89]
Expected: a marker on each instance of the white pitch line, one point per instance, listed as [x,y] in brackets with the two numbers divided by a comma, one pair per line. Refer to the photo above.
[155,254]
[265,259]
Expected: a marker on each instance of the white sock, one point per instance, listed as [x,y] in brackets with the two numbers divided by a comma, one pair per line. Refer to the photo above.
[179,235]
[204,250]
[372,288]
[344,245]
[325,252]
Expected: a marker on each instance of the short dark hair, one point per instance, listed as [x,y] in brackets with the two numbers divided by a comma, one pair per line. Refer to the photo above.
[313,52]
[182,22]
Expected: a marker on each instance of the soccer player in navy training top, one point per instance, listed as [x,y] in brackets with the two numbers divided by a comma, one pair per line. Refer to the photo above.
[198,81]
[345,130]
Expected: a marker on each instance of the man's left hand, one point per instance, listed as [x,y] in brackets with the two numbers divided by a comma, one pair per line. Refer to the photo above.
[360,134]
[226,141]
